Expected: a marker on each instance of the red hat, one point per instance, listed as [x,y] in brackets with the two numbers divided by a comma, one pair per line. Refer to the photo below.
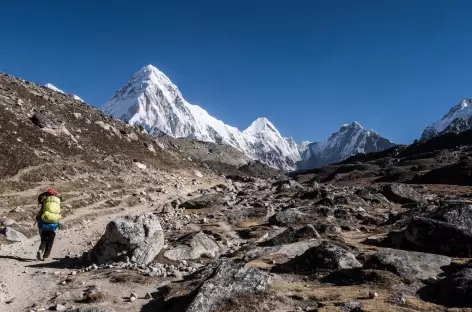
[53,192]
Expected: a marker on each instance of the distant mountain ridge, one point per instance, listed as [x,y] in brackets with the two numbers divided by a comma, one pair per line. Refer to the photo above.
[458,119]
[351,139]
[153,101]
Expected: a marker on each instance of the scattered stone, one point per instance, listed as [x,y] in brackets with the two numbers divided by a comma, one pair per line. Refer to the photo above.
[326,257]
[401,193]
[193,246]
[40,120]
[14,236]
[292,235]
[148,296]
[287,250]
[408,264]
[454,290]
[440,237]
[59,307]
[373,295]
[351,306]
[9,222]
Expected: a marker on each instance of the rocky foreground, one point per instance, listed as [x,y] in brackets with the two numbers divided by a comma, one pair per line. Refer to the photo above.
[277,245]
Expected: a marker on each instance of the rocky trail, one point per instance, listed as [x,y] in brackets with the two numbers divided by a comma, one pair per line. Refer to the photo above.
[28,284]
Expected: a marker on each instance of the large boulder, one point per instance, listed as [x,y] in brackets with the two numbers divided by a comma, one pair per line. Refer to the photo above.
[408,264]
[326,257]
[457,213]
[228,280]
[139,238]
[453,291]
[401,193]
[439,237]
[193,246]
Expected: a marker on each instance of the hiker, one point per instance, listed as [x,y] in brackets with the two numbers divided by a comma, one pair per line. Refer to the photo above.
[48,221]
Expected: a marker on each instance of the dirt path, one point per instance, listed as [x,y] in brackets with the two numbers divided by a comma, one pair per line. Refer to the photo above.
[25,281]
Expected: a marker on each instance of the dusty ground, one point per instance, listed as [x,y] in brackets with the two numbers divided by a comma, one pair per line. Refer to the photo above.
[26,282]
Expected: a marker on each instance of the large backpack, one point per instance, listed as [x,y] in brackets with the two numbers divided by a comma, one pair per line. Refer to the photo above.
[51,209]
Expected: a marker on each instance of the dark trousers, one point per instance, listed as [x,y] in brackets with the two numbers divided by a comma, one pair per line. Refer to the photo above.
[47,240]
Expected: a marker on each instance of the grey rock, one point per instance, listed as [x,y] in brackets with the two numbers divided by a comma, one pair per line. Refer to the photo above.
[14,236]
[300,215]
[167,208]
[9,222]
[293,235]
[59,307]
[93,309]
[439,237]
[401,193]
[287,250]
[326,257]
[453,291]
[285,185]
[408,264]
[41,120]
[140,238]
[456,213]
[205,201]
[351,306]
[240,213]
[193,246]
[228,280]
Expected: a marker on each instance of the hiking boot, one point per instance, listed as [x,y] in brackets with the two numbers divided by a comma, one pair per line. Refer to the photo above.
[39,256]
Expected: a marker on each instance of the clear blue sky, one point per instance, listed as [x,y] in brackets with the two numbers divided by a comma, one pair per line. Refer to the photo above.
[309,66]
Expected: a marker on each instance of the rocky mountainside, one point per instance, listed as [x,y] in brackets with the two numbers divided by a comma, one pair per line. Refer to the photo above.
[153,101]
[39,126]
[458,119]
[351,139]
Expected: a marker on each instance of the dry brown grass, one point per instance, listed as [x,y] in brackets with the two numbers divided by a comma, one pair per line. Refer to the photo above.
[333,297]
[250,223]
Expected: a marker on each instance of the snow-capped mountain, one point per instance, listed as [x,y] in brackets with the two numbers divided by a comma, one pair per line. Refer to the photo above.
[152,100]
[54,88]
[351,139]
[458,119]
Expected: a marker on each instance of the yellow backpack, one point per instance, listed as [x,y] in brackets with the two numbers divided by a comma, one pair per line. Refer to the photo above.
[51,209]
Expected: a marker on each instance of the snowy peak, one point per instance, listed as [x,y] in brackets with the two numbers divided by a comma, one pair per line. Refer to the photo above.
[54,88]
[353,126]
[152,100]
[351,139]
[261,125]
[458,114]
